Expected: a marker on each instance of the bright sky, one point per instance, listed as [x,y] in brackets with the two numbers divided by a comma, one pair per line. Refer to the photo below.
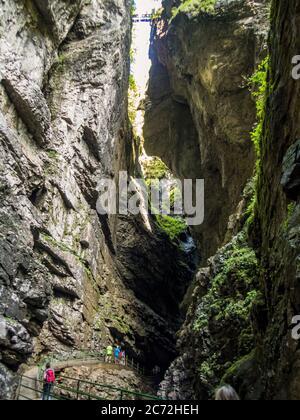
[144,6]
[141,39]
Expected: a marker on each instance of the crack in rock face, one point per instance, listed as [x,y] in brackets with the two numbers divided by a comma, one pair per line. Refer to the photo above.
[30,105]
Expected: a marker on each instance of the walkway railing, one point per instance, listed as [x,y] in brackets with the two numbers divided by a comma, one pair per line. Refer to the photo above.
[86,355]
[67,388]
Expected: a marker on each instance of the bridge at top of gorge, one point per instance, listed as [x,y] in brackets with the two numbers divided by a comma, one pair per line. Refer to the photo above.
[146,17]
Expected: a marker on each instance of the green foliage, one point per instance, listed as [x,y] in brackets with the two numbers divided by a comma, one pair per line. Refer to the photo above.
[250,212]
[10,320]
[232,293]
[260,83]
[194,7]
[132,60]
[207,370]
[222,320]
[172,226]
[52,154]
[155,168]
[175,195]
[132,100]
[260,89]
[132,83]
[61,59]
[235,367]
[290,211]
[157,14]
[132,7]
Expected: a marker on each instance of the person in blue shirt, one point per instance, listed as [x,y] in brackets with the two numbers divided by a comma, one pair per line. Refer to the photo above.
[117,354]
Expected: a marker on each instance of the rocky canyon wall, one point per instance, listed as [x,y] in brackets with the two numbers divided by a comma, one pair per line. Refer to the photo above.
[199,119]
[199,112]
[70,279]
[276,228]
[240,308]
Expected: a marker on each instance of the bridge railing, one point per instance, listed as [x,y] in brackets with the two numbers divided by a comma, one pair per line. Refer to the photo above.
[96,356]
[66,388]
[89,388]
[147,17]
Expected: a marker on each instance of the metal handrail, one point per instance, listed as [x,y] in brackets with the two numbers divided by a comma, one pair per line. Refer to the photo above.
[112,388]
[136,366]
[77,392]
[35,390]
[121,392]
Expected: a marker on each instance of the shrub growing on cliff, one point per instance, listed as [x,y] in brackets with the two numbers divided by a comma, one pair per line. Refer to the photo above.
[194,7]
[172,226]
[133,95]
[222,321]
[259,89]
[154,168]
[232,292]
[259,81]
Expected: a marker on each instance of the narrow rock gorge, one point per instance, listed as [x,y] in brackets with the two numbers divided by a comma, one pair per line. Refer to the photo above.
[69,278]
[221,105]
[207,58]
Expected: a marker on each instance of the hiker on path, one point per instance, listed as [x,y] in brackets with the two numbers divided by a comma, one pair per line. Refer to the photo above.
[117,354]
[122,357]
[109,354]
[49,379]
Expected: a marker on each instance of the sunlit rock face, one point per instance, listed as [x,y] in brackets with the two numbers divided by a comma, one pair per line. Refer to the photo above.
[68,278]
[199,112]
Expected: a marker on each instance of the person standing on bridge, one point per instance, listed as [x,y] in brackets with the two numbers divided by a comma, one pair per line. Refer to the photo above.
[117,354]
[122,357]
[109,354]
[49,379]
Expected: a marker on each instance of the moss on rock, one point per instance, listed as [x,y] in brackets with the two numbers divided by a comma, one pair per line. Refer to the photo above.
[221,319]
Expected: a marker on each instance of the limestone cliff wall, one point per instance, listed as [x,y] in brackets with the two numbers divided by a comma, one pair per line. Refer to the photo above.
[199,112]
[277,219]
[260,357]
[199,116]
[68,278]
